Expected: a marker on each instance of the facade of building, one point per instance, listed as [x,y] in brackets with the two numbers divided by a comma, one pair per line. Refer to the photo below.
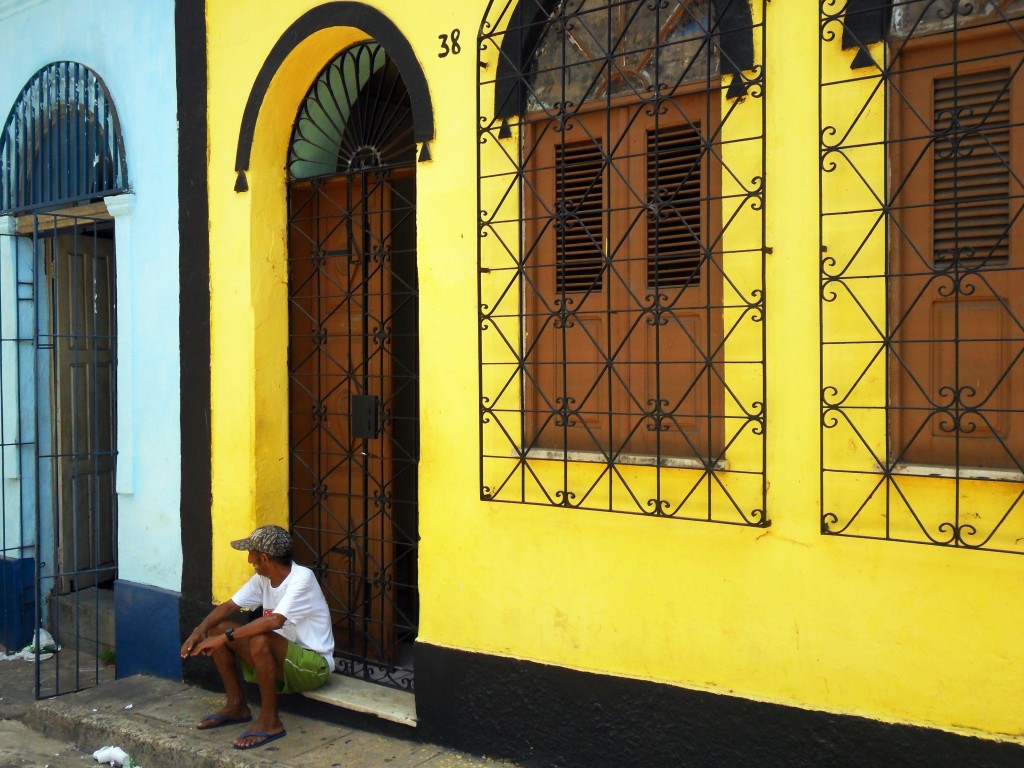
[642,379]
[89,302]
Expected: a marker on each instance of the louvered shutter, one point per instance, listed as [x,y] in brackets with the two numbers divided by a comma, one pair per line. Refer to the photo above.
[580,199]
[971,165]
[674,194]
[593,251]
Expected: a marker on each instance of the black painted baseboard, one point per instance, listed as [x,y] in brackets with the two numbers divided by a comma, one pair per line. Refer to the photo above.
[540,715]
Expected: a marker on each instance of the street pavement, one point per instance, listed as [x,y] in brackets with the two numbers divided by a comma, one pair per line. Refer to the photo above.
[19,744]
[153,720]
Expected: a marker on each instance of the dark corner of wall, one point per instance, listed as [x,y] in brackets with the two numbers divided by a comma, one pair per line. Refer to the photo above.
[194,323]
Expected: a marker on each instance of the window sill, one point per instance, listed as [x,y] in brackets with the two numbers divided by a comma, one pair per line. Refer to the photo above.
[964,473]
[631,459]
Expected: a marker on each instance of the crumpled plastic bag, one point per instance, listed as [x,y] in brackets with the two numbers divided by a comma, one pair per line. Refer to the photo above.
[43,639]
[45,642]
[114,756]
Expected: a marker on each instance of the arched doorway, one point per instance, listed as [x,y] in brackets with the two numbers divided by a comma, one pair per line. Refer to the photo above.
[353,357]
[63,185]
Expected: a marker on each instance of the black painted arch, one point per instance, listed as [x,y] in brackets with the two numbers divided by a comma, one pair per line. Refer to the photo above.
[865,22]
[339,14]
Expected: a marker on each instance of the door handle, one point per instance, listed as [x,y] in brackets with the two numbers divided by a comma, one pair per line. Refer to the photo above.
[365,416]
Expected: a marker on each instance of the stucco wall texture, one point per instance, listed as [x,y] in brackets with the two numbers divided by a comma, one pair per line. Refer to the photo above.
[887,631]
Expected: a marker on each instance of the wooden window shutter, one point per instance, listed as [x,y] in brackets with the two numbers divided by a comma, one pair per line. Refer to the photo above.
[674,182]
[580,196]
[971,168]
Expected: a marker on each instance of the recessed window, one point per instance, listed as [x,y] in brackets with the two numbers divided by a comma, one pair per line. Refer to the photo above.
[923,271]
[617,208]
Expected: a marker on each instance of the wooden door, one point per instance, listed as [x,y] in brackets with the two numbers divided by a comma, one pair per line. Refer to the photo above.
[351,376]
[81,272]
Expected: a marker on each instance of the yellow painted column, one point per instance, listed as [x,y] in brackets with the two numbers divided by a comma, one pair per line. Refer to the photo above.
[791,269]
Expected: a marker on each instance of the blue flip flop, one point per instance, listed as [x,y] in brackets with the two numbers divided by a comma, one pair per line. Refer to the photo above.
[267,738]
[220,720]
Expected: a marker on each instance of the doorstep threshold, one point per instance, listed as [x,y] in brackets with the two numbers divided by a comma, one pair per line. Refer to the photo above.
[361,696]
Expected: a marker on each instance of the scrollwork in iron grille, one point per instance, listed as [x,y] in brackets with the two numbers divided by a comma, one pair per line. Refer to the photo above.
[922,271]
[621,256]
[356,115]
[354,359]
[353,304]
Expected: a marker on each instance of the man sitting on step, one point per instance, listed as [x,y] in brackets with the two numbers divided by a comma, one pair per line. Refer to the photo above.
[290,648]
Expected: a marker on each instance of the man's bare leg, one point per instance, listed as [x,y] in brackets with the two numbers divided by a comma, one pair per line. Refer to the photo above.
[236,707]
[265,654]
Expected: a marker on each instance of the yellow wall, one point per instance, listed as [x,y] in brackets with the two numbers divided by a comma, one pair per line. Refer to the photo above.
[887,630]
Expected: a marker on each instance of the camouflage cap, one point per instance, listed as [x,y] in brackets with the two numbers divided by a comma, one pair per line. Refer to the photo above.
[269,539]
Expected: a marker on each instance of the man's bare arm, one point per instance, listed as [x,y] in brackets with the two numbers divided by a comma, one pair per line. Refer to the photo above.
[261,626]
[215,617]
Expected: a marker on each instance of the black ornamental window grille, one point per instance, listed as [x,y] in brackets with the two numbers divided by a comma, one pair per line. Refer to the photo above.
[621,256]
[922,271]
[61,142]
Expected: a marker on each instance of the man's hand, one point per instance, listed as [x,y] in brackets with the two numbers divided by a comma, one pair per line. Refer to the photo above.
[191,646]
[209,645]
[188,647]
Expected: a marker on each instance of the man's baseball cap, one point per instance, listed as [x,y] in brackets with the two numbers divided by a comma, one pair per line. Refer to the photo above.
[269,539]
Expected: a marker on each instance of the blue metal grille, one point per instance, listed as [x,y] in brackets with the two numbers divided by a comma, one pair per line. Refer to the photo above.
[61,142]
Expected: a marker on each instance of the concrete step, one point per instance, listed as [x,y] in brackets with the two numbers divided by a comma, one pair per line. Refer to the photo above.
[360,696]
[153,720]
[83,619]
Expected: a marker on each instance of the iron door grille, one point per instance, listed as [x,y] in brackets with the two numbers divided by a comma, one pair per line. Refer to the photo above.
[354,359]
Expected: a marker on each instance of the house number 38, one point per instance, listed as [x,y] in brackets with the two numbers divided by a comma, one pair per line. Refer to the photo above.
[453,48]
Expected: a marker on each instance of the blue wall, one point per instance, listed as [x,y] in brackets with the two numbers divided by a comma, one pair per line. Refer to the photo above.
[130,45]
[146,631]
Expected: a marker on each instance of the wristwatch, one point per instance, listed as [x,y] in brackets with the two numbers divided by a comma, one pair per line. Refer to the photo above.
[230,634]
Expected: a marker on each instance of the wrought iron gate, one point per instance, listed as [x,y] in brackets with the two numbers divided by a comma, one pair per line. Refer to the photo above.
[61,150]
[59,405]
[354,360]
[76,342]
[354,394]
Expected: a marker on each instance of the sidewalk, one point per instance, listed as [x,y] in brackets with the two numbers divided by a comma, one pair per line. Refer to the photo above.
[153,720]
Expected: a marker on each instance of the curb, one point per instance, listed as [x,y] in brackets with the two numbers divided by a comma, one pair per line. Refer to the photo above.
[150,745]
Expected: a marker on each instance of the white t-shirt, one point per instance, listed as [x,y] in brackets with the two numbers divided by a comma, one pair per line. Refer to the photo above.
[301,601]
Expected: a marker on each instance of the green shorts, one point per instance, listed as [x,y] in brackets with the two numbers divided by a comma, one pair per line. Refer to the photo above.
[304,670]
